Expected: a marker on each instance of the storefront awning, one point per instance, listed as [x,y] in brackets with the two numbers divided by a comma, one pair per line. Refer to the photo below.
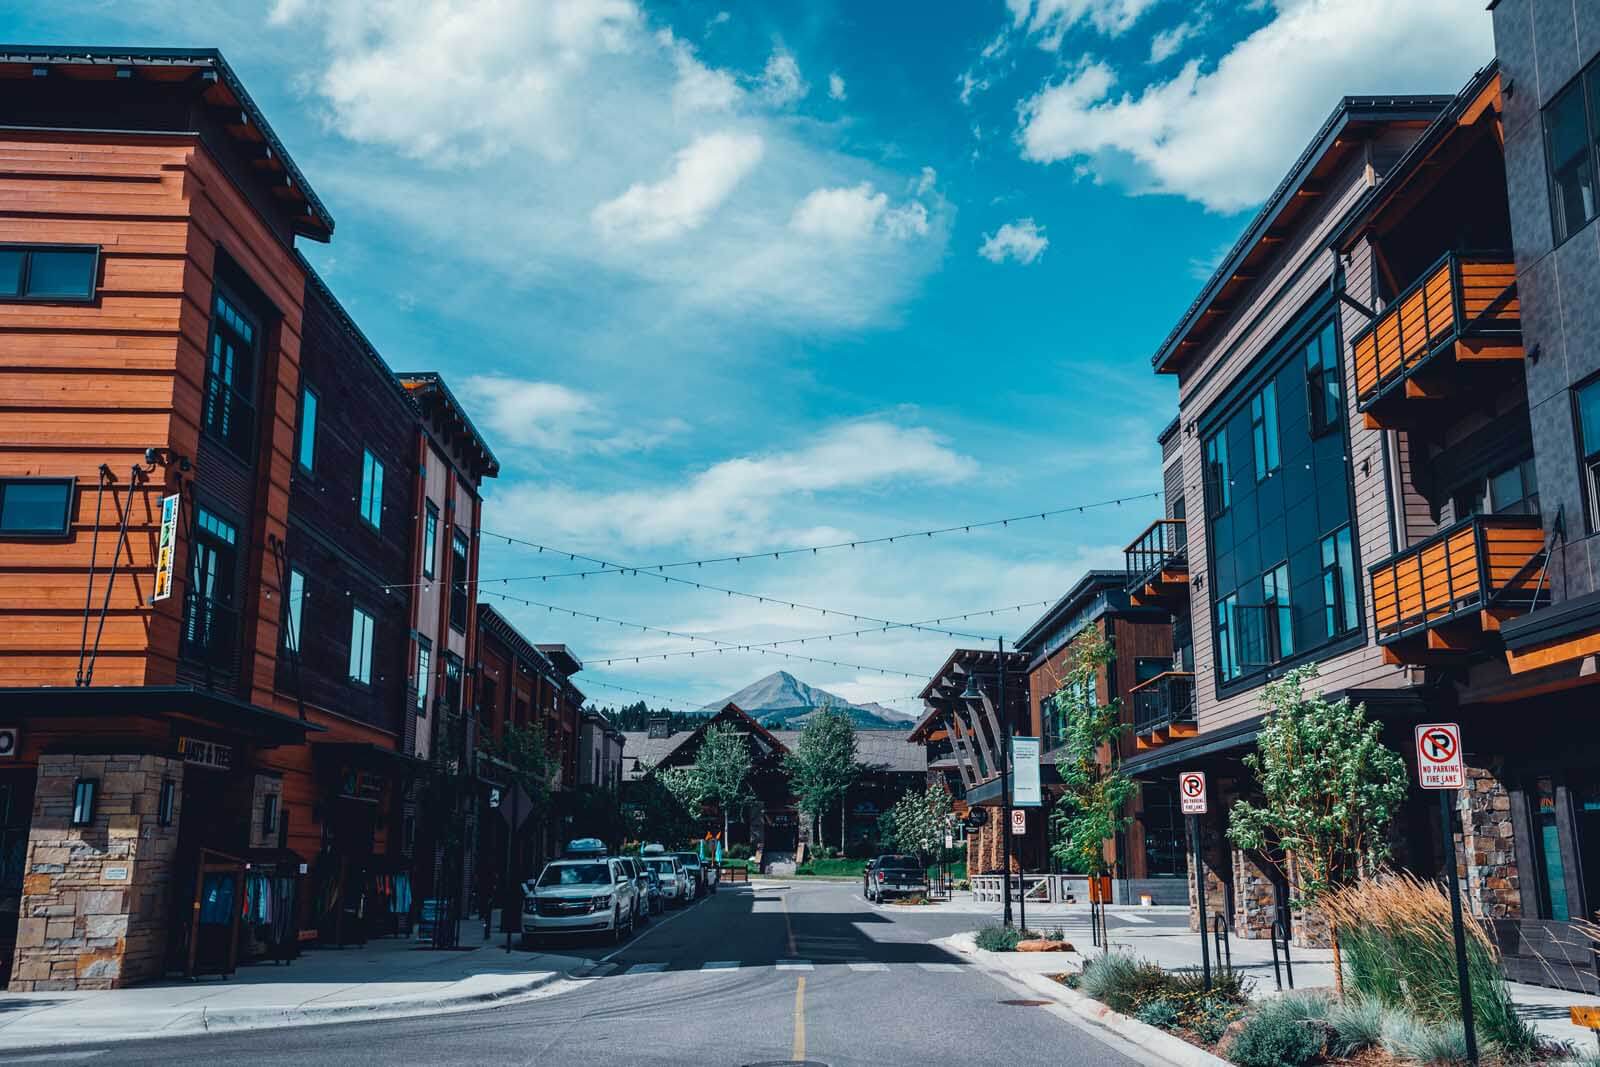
[227,713]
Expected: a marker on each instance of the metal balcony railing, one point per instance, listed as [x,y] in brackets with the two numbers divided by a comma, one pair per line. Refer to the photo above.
[1162,701]
[1164,546]
[210,636]
[1482,562]
[1470,298]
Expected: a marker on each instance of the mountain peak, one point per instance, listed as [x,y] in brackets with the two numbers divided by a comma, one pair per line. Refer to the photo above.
[780,700]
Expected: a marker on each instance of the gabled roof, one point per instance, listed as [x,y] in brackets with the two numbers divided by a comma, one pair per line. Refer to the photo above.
[1351,123]
[650,752]
[885,749]
[216,83]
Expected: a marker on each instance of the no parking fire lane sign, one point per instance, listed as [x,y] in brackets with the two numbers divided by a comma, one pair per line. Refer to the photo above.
[1192,791]
[1439,756]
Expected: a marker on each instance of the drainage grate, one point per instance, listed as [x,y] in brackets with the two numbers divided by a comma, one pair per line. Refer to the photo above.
[1026,1003]
[788,1063]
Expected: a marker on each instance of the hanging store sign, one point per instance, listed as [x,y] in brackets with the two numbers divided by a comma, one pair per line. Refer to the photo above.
[1439,764]
[1025,791]
[166,547]
[206,753]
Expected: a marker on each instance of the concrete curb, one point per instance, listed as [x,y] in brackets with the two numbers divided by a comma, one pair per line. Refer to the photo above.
[1168,1048]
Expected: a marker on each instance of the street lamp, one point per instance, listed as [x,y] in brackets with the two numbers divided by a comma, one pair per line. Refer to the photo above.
[974,692]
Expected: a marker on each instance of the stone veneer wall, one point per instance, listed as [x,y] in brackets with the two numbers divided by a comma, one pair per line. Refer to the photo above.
[1486,854]
[266,785]
[94,909]
[1255,899]
[1216,888]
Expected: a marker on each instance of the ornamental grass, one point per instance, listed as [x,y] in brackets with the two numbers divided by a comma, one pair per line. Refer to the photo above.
[1397,945]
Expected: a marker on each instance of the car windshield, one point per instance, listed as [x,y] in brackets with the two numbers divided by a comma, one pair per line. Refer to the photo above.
[689,859]
[660,866]
[575,874]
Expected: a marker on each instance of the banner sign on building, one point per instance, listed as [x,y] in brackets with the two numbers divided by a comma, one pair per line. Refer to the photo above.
[166,547]
[205,753]
[1025,773]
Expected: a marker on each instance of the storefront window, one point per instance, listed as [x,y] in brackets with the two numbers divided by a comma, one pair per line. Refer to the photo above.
[1547,843]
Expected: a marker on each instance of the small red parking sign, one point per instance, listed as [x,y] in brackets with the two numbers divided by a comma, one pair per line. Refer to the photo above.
[1192,792]
[1439,763]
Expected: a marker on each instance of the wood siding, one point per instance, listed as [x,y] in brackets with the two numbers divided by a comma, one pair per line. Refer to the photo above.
[1303,272]
[85,384]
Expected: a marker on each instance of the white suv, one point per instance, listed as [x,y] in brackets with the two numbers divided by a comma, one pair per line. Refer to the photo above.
[580,896]
[670,873]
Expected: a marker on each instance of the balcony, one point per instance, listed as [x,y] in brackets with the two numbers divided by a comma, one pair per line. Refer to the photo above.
[1462,314]
[1158,565]
[1440,597]
[1163,708]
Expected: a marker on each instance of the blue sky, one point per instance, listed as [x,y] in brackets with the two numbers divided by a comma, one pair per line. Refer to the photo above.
[720,277]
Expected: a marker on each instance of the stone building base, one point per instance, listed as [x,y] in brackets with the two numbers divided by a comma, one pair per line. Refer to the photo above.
[94,907]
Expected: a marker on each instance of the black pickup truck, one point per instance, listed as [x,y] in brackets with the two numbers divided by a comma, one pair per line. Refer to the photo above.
[891,876]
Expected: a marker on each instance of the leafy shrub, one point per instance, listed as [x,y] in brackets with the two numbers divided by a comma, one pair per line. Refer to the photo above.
[1357,1025]
[1058,934]
[1212,1020]
[1409,1038]
[963,885]
[1124,983]
[1160,1012]
[1270,1040]
[998,939]
[739,852]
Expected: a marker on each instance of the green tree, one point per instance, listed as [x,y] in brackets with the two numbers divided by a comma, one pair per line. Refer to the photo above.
[721,771]
[1329,790]
[660,812]
[919,820]
[823,766]
[1094,800]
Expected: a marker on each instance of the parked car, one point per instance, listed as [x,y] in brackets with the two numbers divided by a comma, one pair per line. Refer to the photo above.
[594,895]
[895,875]
[697,872]
[641,882]
[670,875]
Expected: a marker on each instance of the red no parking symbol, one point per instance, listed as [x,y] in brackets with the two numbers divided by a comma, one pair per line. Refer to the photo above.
[1192,792]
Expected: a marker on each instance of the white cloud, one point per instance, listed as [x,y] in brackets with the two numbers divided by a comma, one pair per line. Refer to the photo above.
[971,85]
[742,501]
[835,86]
[517,129]
[703,175]
[858,212]
[1165,44]
[780,83]
[1216,136]
[1022,241]
[550,417]
[1049,20]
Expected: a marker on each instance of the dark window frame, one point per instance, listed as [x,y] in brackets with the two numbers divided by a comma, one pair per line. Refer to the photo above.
[300,463]
[372,646]
[452,701]
[60,533]
[375,500]
[1588,459]
[1582,83]
[458,582]
[85,802]
[233,396]
[422,663]
[269,814]
[28,248]
[232,607]
[430,539]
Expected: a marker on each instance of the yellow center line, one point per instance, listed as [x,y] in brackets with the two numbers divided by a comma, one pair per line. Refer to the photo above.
[798,1052]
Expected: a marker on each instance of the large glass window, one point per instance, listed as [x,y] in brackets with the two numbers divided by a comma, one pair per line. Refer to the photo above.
[452,683]
[296,599]
[1511,490]
[228,412]
[1569,148]
[211,617]
[306,446]
[35,507]
[1278,492]
[48,272]
[371,490]
[1163,829]
[361,628]
[424,674]
[1588,404]
[460,595]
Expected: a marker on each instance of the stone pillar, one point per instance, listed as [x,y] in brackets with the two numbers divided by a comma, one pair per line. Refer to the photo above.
[94,909]
[266,785]
[1486,851]
[1255,899]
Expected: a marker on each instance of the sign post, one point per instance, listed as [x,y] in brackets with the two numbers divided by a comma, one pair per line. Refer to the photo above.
[1192,796]
[1440,767]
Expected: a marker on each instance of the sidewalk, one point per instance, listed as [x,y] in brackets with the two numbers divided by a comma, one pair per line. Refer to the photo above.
[385,978]
[1179,947]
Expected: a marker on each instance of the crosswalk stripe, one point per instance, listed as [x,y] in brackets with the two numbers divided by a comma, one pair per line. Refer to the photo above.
[720,965]
[794,965]
[869,967]
[940,968]
[1133,919]
[646,968]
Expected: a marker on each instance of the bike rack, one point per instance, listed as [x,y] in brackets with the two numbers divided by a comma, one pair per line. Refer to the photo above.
[1220,937]
[1280,932]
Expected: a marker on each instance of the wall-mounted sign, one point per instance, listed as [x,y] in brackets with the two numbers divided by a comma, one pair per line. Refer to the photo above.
[1025,773]
[116,874]
[10,741]
[205,753]
[1439,763]
[166,547]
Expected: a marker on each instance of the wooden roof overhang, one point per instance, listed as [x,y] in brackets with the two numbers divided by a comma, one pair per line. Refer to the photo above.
[1354,122]
[434,399]
[1474,113]
[217,86]
[973,727]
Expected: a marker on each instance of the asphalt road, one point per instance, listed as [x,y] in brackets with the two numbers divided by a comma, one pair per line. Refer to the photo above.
[809,973]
